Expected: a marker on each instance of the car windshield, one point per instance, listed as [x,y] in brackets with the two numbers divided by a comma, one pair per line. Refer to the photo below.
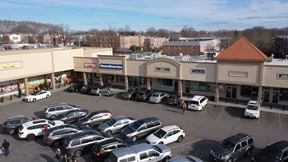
[228,145]
[160,133]
[252,107]
[111,122]
[272,152]
[35,93]
[90,115]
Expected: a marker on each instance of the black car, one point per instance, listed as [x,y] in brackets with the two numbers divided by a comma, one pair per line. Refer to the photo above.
[102,149]
[276,152]
[95,89]
[75,87]
[173,100]
[131,93]
[72,116]
[143,95]
[11,125]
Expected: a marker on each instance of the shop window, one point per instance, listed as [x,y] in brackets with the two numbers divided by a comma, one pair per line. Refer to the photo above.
[248,91]
[166,82]
[283,95]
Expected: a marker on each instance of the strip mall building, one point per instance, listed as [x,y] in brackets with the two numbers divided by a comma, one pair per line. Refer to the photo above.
[241,72]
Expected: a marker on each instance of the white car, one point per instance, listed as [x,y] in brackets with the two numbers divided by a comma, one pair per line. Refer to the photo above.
[197,102]
[37,96]
[34,128]
[166,135]
[252,109]
[157,97]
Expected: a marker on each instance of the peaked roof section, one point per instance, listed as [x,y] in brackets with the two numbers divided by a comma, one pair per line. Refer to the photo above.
[242,50]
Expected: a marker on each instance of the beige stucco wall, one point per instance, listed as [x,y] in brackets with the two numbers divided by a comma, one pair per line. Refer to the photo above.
[210,71]
[63,59]
[270,76]
[174,73]
[32,64]
[136,67]
[94,52]
[80,61]
[253,70]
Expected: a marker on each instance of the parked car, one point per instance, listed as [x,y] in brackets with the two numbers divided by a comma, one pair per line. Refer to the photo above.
[54,136]
[173,100]
[75,87]
[95,90]
[185,159]
[131,93]
[37,96]
[143,95]
[81,142]
[103,149]
[197,102]
[276,152]
[166,135]
[115,124]
[72,116]
[95,118]
[50,112]
[12,124]
[140,128]
[233,148]
[141,152]
[252,109]
[158,97]
[34,128]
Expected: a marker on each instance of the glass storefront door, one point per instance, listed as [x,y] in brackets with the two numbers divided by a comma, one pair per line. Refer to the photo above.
[231,92]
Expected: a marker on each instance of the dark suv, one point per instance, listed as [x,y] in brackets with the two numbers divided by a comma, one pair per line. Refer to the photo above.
[141,128]
[143,95]
[102,149]
[276,152]
[11,125]
[233,148]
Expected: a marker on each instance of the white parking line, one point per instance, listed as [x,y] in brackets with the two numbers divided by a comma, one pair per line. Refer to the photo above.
[186,143]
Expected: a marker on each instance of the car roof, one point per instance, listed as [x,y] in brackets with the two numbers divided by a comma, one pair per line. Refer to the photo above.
[170,127]
[157,93]
[253,102]
[197,98]
[109,141]
[61,127]
[117,118]
[148,119]
[236,138]
[132,149]
[82,134]
[33,122]
[100,111]
[280,145]
[17,117]
[58,104]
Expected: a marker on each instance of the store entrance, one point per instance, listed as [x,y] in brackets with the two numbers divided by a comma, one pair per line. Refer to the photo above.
[275,98]
[231,92]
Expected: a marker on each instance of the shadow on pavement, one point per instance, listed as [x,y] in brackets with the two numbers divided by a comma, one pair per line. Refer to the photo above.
[201,149]
[39,114]
[47,158]
[235,111]
[175,110]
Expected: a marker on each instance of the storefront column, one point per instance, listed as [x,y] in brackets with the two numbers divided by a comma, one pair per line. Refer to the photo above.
[26,86]
[53,83]
[126,86]
[148,83]
[180,88]
[259,97]
[216,96]
[84,78]
[101,80]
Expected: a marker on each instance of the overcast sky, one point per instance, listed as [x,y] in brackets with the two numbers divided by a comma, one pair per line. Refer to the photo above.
[142,14]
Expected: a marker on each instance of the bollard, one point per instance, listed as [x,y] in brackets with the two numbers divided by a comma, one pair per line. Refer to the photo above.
[2,99]
[11,97]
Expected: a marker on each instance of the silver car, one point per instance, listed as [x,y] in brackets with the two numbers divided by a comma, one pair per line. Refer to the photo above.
[52,111]
[115,124]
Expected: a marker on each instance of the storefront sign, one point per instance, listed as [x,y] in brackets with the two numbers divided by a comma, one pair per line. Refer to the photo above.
[90,65]
[10,65]
[162,69]
[112,66]
[197,71]
[240,74]
[282,76]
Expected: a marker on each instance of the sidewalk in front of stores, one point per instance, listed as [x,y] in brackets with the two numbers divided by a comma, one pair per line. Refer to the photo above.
[223,104]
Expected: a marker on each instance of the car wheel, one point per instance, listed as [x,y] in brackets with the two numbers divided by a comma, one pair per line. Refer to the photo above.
[100,93]
[249,153]
[134,139]
[230,160]
[78,153]
[30,137]
[180,138]
[53,117]
[56,143]
[109,132]
[47,96]
[166,159]
[34,99]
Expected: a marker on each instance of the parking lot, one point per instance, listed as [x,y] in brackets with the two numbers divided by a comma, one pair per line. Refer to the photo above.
[204,129]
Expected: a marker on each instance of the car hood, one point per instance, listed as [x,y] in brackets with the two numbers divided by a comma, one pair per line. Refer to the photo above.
[221,151]
[164,148]
[103,126]
[152,138]
[83,119]
[126,94]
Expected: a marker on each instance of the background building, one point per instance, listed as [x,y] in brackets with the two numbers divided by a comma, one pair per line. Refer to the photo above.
[281,47]
[175,48]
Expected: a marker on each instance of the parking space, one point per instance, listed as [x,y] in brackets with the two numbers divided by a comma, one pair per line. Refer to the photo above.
[204,129]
